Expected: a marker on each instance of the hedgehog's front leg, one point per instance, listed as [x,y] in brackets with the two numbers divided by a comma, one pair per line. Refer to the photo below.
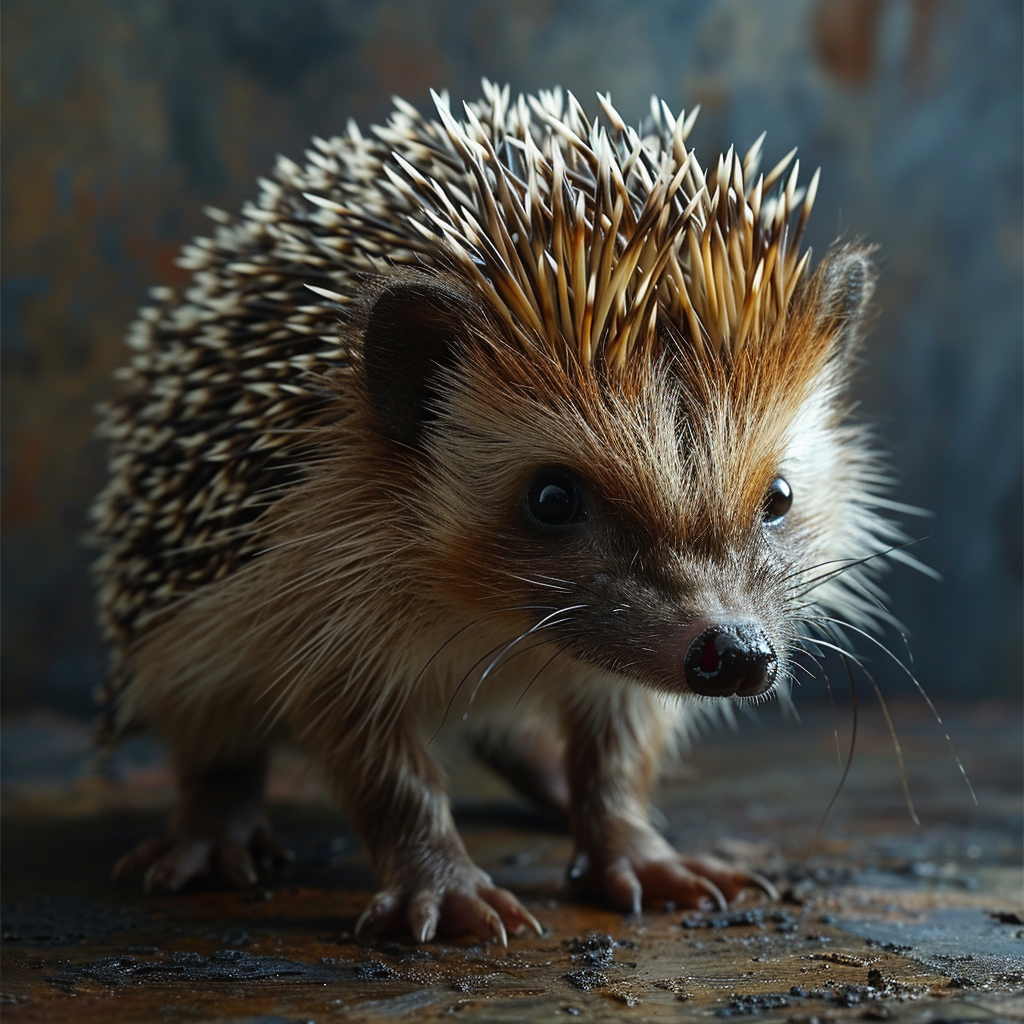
[218,829]
[395,795]
[614,740]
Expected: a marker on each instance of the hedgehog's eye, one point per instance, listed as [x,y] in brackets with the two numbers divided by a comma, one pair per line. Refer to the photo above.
[553,499]
[777,501]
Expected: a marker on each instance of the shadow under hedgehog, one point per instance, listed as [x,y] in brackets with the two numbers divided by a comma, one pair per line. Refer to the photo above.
[521,414]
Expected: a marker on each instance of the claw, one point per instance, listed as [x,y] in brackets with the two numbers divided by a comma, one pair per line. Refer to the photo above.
[144,855]
[498,929]
[729,880]
[713,891]
[653,870]
[532,922]
[516,917]
[577,870]
[183,862]
[424,914]
[158,877]
[168,863]
[153,878]
[380,907]
[270,850]
[637,898]
[237,866]
[465,902]
[763,884]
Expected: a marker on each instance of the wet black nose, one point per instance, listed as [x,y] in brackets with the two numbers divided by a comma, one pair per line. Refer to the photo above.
[727,661]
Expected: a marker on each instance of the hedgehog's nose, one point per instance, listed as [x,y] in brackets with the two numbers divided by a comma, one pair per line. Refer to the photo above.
[727,661]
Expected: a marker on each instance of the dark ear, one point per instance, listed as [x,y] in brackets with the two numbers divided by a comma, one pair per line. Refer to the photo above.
[846,284]
[412,334]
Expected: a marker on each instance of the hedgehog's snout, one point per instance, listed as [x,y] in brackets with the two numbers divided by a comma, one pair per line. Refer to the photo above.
[730,661]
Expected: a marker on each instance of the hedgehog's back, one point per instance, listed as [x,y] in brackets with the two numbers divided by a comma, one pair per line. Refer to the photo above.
[224,386]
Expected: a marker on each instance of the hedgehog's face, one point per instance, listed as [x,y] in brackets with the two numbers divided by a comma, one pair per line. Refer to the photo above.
[632,536]
[685,619]
[664,529]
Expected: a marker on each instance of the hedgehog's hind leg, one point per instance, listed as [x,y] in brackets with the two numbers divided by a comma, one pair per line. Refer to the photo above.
[219,830]
[531,758]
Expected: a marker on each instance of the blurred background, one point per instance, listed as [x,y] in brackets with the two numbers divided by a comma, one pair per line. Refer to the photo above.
[122,118]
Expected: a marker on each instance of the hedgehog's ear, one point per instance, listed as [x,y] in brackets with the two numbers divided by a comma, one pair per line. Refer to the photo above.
[414,332]
[846,282]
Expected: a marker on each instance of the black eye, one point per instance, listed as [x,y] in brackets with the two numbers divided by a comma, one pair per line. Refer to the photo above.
[554,499]
[777,501]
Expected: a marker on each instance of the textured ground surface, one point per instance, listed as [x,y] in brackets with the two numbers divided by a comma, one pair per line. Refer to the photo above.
[879,920]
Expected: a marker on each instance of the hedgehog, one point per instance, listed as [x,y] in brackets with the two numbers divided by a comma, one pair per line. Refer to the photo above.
[519,421]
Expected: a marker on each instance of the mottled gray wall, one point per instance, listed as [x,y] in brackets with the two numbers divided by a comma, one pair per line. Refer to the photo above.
[122,117]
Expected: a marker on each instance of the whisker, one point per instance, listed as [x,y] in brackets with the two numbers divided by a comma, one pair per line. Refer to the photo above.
[554,579]
[536,676]
[462,683]
[920,689]
[544,623]
[820,667]
[539,583]
[476,621]
[810,568]
[883,613]
[817,581]
[813,655]
[842,651]
[896,745]
[835,716]
[830,561]
[803,668]
[503,647]
[853,745]
[430,660]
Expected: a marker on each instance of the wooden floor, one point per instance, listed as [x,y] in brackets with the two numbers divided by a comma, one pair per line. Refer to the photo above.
[879,919]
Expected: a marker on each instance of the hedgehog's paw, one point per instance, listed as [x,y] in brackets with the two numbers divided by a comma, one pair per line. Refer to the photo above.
[167,864]
[727,878]
[463,902]
[649,871]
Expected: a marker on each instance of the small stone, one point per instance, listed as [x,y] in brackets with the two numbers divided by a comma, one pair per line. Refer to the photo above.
[587,978]
[375,970]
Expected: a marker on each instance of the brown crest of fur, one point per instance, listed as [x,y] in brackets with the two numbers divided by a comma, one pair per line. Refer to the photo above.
[586,238]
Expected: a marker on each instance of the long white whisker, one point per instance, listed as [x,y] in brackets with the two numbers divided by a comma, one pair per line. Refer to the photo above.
[545,622]
[920,689]
[539,583]
[462,683]
[853,744]
[896,746]
[817,581]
